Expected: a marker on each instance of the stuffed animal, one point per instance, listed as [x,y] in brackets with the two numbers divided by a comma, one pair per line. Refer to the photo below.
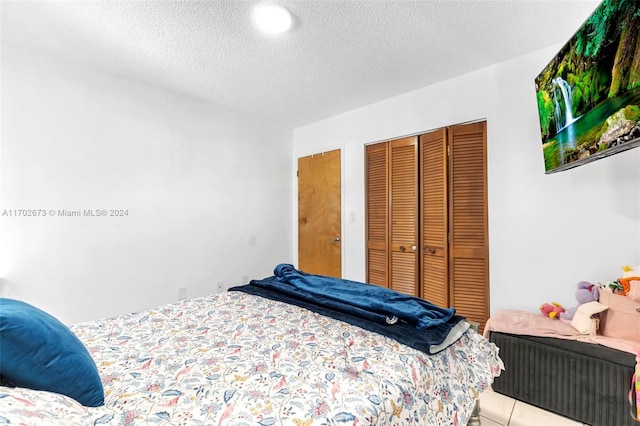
[551,310]
[630,282]
[630,271]
[623,284]
[586,293]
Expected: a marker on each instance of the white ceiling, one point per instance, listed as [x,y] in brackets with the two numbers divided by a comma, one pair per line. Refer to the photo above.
[341,55]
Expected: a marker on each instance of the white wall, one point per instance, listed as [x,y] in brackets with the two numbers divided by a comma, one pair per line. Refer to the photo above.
[198,182]
[546,232]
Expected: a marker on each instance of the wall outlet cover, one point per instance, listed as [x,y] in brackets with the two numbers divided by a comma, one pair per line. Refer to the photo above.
[182,293]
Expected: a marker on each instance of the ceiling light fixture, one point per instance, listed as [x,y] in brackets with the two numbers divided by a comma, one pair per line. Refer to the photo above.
[272,18]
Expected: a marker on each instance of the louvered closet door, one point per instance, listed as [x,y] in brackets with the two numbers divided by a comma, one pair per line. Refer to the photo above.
[403,211]
[469,258]
[377,195]
[434,211]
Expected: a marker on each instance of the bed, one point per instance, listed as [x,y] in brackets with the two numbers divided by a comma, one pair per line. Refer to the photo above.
[243,358]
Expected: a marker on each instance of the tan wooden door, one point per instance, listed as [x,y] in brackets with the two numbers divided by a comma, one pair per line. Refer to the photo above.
[468,222]
[434,214]
[403,212]
[319,214]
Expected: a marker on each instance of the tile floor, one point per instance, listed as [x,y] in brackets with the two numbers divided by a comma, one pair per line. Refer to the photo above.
[500,410]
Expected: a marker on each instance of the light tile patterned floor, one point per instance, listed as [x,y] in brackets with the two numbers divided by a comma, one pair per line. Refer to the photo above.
[501,410]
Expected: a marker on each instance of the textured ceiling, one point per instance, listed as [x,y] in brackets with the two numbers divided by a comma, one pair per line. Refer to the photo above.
[342,54]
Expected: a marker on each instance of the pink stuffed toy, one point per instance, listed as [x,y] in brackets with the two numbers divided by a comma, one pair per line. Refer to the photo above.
[586,293]
[551,310]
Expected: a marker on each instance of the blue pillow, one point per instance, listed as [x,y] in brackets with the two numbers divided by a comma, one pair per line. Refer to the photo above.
[37,351]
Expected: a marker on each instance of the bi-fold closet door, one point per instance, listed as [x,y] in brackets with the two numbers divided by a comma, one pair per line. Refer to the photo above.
[392,215]
[427,217]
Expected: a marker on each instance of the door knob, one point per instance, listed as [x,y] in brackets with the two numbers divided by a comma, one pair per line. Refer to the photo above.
[413,248]
[402,248]
[336,240]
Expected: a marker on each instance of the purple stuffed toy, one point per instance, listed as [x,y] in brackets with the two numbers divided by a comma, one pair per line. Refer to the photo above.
[586,293]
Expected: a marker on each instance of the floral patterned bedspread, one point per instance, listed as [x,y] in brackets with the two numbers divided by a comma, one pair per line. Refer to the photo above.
[238,359]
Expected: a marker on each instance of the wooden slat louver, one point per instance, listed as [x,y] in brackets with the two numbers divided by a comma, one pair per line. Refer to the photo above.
[403,274]
[403,187]
[435,251]
[469,289]
[469,257]
[377,215]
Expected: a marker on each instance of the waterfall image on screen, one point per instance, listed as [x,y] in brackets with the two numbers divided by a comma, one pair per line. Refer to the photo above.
[589,94]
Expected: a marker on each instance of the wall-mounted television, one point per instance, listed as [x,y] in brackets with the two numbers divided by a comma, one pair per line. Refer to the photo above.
[589,94]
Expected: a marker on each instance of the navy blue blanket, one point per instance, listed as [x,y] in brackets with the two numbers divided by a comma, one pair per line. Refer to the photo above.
[301,289]
[418,312]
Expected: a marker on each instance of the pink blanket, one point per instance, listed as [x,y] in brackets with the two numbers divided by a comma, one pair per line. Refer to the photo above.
[531,324]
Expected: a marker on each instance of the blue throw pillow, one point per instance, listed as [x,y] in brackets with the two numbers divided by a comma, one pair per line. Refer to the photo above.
[37,351]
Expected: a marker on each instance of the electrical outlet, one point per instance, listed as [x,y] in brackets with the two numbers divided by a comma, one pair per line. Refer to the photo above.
[182,293]
[220,286]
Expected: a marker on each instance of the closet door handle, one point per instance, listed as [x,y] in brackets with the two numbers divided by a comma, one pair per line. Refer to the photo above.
[403,248]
